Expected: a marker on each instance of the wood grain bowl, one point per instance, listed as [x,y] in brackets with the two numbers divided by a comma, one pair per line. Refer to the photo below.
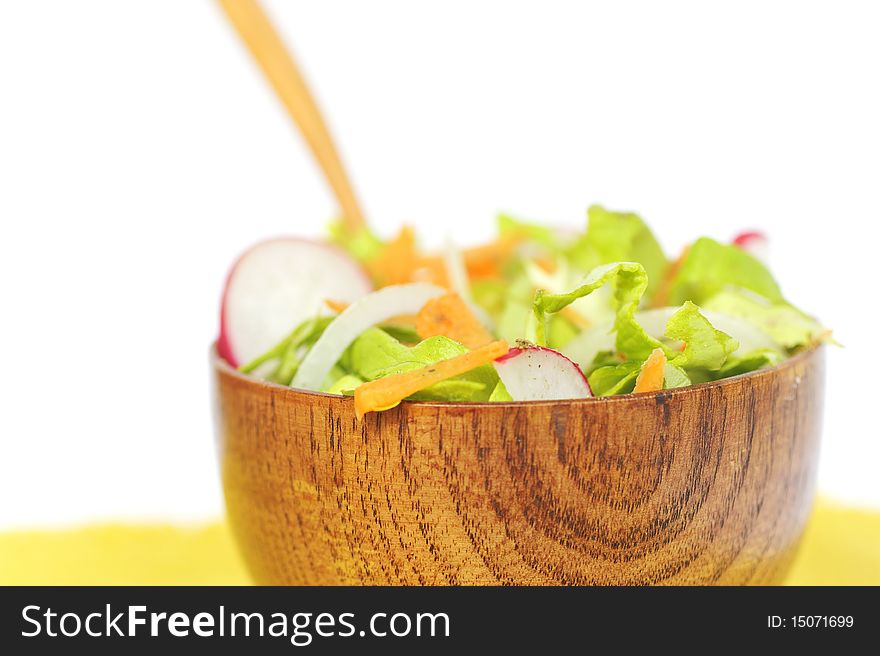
[704,485]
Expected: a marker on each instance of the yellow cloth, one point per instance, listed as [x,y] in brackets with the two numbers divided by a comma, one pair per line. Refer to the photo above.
[841,547]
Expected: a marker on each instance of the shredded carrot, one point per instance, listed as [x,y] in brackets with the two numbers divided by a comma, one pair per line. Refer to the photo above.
[396,262]
[487,261]
[651,376]
[387,392]
[400,261]
[450,316]
[431,269]
[336,306]
[661,295]
[480,262]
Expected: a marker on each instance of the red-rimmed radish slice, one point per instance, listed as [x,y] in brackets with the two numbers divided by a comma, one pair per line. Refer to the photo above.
[537,373]
[755,243]
[373,308]
[277,284]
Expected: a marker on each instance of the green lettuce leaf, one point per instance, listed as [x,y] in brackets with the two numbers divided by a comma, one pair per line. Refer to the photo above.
[615,379]
[619,237]
[630,282]
[784,323]
[500,393]
[710,267]
[454,390]
[621,379]
[490,294]
[603,359]
[752,361]
[288,352]
[512,323]
[402,333]
[509,226]
[376,354]
[674,376]
[345,384]
[333,378]
[705,347]
[560,332]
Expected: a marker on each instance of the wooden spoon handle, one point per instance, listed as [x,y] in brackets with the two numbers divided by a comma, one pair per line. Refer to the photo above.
[278,65]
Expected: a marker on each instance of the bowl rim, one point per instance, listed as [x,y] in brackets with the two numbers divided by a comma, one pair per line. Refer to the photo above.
[221,366]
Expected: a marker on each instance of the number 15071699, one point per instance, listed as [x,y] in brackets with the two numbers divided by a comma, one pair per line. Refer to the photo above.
[810,621]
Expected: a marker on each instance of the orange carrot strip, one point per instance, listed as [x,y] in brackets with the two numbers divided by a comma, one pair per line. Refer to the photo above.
[481,262]
[396,262]
[450,316]
[486,261]
[661,296]
[400,261]
[387,392]
[651,376]
[336,306]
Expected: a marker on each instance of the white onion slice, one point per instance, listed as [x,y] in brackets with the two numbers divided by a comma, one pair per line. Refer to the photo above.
[367,311]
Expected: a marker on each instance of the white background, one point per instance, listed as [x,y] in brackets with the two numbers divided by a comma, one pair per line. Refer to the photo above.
[140,151]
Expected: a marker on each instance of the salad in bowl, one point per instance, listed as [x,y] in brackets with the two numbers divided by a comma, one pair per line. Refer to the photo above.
[537,314]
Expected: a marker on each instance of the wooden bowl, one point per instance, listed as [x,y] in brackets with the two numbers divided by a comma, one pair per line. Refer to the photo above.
[710,484]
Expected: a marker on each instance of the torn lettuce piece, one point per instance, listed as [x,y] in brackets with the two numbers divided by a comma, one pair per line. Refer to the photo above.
[490,294]
[630,282]
[376,354]
[335,374]
[619,237]
[710,267]
[621,378]
[288,352]
[402,333]
[753,361]
[704,346]
[561,331]
[547,237]
[345,385]
[500,393]
[615,379]
[454,390]
[783,322]
[674,376]
[513,322]
[603,359]
[596,307]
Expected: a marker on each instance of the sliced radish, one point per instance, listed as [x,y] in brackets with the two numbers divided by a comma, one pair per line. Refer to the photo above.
[537,373]
[600,337]
[374,308]
[277,284]
[755,243]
